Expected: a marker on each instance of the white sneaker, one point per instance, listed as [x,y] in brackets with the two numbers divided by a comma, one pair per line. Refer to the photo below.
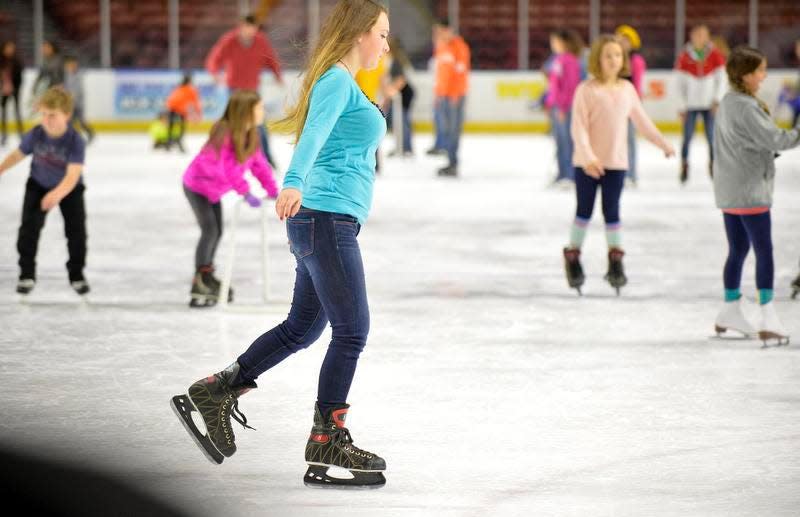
[770,328]
[733,316]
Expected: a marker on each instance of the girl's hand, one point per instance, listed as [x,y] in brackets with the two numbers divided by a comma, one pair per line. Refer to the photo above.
[669,151]
[288,203]
[594,169]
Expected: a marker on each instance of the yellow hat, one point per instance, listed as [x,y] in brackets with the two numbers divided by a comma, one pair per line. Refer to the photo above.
[630,33]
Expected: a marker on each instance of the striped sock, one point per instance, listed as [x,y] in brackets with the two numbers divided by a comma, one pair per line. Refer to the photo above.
[578,232]
[614,235]
[731,295]
[765,296]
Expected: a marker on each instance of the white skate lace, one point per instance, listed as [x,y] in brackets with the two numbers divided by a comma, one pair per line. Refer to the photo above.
[344,436]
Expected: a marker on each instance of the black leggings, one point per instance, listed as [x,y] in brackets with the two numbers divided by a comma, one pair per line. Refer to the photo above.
[209,217]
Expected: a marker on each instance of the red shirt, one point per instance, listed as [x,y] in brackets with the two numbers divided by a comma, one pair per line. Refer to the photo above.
[242,64]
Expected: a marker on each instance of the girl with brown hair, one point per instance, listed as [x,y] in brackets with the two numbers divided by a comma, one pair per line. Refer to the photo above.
[746,141]
[215,171]
[325,199]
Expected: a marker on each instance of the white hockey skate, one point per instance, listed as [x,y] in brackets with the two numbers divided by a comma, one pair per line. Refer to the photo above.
[770,330]
[733,317]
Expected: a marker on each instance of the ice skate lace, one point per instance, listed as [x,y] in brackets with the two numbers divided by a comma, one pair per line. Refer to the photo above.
[237,415]
[343,436]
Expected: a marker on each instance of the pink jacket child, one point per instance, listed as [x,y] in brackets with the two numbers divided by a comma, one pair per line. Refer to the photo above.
[212,174]
[564,77]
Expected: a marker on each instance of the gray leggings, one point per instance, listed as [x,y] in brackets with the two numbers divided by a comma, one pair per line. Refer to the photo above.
[209,217]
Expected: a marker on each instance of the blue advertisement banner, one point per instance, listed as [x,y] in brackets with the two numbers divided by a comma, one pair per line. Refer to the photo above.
[141,95]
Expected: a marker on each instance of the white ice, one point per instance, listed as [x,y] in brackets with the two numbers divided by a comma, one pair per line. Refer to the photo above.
[489,387]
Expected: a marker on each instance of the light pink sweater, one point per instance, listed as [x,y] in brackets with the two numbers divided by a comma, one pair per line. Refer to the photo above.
[600,124]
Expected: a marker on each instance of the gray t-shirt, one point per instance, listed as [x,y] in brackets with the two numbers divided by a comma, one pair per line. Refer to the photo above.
[52,155]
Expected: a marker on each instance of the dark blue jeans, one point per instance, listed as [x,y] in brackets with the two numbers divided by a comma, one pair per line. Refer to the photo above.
[329,286]
[438,123]
[563,138]
[453,122]
[264,139]
[688,131]
[611,185]
[742,231]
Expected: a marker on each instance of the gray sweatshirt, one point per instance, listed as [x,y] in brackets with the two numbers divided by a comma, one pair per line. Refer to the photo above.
[73,83]
[745,142]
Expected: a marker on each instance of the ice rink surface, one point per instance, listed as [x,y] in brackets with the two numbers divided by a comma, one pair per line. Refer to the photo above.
[489,387]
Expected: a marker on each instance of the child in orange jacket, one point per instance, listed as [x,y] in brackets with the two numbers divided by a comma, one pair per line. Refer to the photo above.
[183,103]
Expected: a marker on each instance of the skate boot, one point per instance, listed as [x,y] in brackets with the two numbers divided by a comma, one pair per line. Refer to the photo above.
[25,285]
[770,330]
[616,273]
[218,287]
[795,287]
[80,286]
[684,177]
[451,171]
[572,265]
[733,317]
[205,290]
[330,445]
[216,401]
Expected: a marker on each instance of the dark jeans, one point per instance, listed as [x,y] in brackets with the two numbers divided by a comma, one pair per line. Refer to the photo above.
[33,218]
[610,184]
[264,139]
[78,117]
[688,131]
[3,101]
[742,231]
[453,113]
[181,120]
[329,286]
[439,124]
[209,217]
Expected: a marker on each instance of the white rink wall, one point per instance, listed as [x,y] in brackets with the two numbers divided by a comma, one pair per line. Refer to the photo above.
[498,101]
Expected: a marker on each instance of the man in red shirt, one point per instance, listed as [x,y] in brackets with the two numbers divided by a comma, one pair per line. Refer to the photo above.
[243,52]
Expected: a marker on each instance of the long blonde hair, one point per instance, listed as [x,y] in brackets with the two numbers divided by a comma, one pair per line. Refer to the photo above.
[237,124]
[348,20]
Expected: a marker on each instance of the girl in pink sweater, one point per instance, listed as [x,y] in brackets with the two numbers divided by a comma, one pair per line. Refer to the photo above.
[562,79]
[231,150]
[600,113]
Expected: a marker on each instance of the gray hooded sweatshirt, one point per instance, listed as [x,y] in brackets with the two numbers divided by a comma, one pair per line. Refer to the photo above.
[745,142]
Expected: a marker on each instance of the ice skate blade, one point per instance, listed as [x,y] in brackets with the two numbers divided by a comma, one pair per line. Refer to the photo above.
[772,339]
[182,406]
[739,336]
[317,477]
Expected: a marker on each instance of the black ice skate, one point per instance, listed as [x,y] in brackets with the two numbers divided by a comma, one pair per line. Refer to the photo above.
[330,445]
[684,177]
[574,270]
[25,285]
[616,273]
[205,288]
[80,286]
[795,287]
[216,401]
[451,171]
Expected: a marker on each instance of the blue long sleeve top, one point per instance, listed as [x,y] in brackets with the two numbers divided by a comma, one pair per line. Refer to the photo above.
[333,165]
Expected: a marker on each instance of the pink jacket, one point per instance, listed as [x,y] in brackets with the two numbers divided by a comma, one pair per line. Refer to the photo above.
[564,77]
[213,174]
[600,124]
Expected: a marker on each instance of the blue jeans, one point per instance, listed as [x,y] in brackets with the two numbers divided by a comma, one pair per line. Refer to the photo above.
[453,123]
[563,138]
[611,184]
[631,152]
[438,123]
[329,287]
[688,131]
[742,231]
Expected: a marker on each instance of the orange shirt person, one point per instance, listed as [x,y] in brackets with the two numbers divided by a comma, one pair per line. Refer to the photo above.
[452,83]
[183,103]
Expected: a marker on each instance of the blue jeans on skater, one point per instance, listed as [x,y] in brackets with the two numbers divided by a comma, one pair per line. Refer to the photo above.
[438,123]
[329,287]
[453,122]
[688,131]
[631,174]
[611,184]
[563,138]
[264,139]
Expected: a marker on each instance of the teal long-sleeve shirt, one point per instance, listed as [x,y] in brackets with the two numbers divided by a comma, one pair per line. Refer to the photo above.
[333,165]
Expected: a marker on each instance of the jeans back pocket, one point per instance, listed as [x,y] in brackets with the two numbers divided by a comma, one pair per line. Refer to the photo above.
[301,236]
